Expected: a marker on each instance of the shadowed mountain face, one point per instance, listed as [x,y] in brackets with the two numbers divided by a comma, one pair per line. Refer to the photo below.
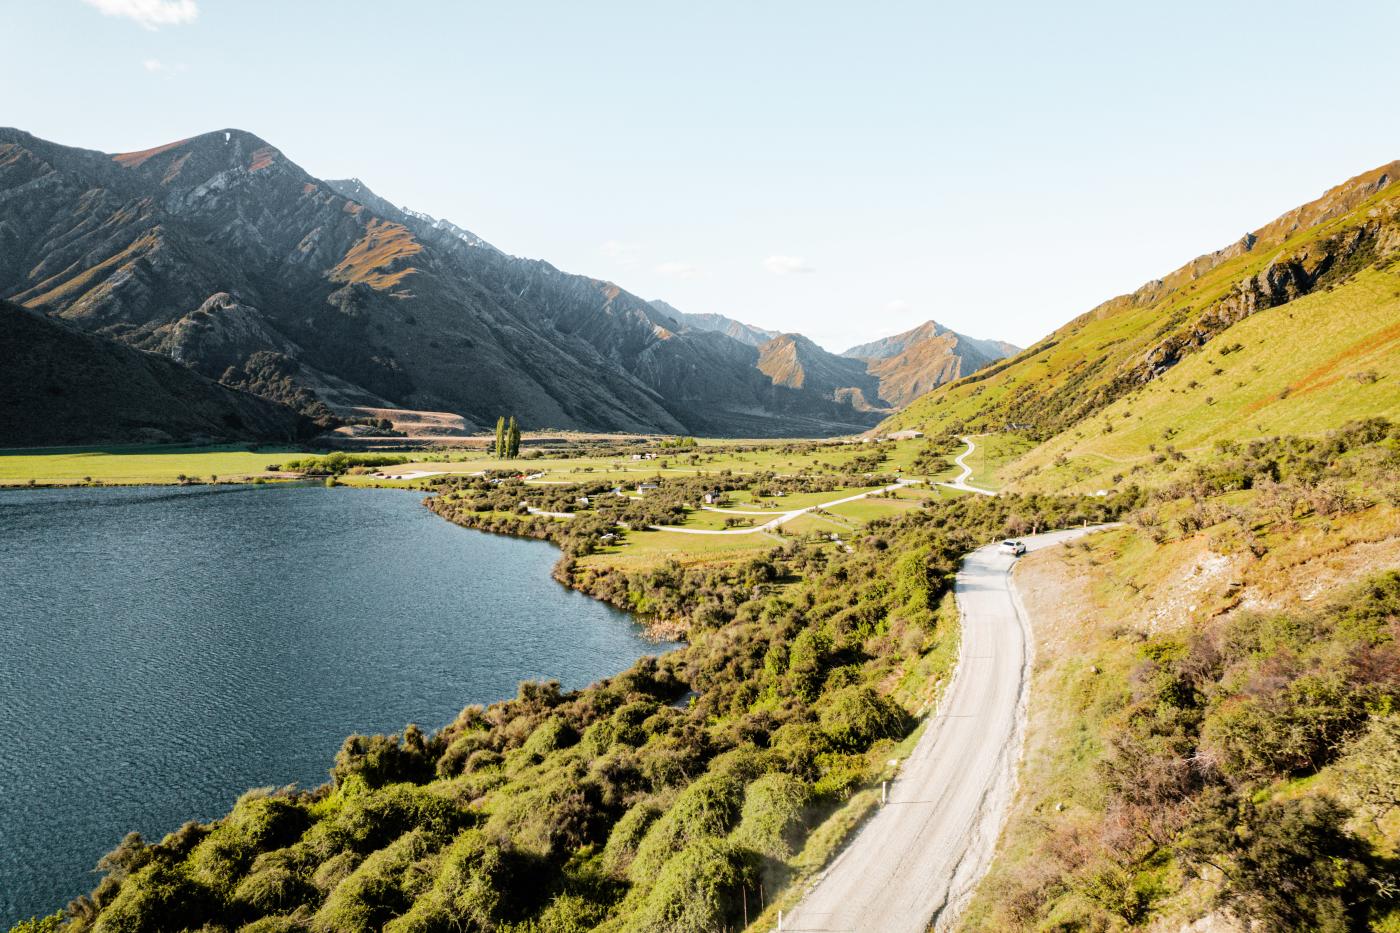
[62,386]
[886,374]
[222,254]
[718,323]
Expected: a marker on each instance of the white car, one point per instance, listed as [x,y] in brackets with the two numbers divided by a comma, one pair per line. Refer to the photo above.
[1013,547]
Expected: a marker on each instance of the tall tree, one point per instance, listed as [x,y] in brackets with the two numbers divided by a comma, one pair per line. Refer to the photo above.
[501,436]
[513,439]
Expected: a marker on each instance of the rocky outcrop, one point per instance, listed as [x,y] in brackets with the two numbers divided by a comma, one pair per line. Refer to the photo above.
[1287,277]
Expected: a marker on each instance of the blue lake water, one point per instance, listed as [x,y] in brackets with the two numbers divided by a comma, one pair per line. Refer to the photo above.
[164,649]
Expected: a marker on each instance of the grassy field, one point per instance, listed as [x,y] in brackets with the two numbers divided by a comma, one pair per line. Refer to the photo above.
[991,455]
[172,464]
[135,464]
[648,548]
[1295,368]
[164,464]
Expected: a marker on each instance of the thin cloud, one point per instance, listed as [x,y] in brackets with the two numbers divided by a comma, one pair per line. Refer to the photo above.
[626,254]
[899,306]
[150,14]
[157,67]
[787,265]
[678,270]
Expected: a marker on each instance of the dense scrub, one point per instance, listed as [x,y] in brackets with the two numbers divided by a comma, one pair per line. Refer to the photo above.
[1252,759]
[671,797]
[1205,763]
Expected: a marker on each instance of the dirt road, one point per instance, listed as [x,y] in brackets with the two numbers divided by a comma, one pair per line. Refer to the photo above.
[915,862]
[960,482]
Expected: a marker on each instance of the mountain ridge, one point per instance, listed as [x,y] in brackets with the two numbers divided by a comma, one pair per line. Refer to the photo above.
[359,305]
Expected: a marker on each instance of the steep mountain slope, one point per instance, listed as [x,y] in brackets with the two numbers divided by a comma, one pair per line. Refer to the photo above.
[223,254]
[887,347]
[917,361]
[793,360]
[1294,328]
[61,386]
[744,333]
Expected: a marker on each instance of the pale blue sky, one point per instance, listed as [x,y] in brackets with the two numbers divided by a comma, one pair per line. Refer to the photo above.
[845,170]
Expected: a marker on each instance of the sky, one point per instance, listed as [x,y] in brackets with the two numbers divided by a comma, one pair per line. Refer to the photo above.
[845,170]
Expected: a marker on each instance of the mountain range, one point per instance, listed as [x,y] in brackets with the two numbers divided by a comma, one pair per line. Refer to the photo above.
[222,254]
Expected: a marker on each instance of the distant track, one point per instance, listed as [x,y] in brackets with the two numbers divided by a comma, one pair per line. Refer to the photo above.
[784,517]
[916,861]
[961,481]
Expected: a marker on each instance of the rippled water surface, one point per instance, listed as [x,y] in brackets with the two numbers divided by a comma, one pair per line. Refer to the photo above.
[161,650]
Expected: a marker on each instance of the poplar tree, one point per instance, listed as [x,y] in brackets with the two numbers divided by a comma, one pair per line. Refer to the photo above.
[501,436]
[513,439]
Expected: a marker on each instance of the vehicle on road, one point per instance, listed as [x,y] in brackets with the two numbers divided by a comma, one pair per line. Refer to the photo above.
[1013,547]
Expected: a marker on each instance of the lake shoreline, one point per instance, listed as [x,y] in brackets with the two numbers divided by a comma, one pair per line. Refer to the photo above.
[645,643]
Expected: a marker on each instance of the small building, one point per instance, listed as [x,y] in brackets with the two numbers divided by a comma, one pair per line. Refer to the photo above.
[636,456]
[582,500]
[713,498]
[905,435]
[646,487]
[608,537]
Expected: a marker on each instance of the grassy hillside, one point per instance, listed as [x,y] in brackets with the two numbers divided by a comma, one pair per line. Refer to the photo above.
[1221,668]
[1299,368]
[1296,328]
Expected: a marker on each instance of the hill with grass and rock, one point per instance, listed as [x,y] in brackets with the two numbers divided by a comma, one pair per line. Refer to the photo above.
[1293,329]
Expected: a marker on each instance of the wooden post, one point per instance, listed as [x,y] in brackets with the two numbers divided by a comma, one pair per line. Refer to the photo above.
[884,791]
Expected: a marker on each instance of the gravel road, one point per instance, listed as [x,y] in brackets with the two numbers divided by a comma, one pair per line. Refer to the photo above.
[913,865]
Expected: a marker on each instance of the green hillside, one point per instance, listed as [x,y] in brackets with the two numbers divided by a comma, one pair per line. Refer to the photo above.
[1294,329]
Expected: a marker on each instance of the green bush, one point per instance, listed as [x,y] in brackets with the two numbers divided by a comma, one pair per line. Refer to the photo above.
[471,881]
[377,890]
[277,882]
[156,899]
[698,890]
[627,835]
[771,821]
[855,717]
[550,736]
[708,808]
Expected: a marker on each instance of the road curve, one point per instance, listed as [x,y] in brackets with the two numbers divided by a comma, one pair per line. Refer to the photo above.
[916,861]
[960,482]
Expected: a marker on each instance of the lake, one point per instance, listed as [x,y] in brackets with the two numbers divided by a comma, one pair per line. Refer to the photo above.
[164,649]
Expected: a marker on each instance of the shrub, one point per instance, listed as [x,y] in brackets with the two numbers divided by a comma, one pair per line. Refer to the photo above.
[1294,867]
[698,890]
[158,898]
[474,883]
[771,822]
[385,759]
[375,892]
[855,717]
[627,835]
[707,808]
